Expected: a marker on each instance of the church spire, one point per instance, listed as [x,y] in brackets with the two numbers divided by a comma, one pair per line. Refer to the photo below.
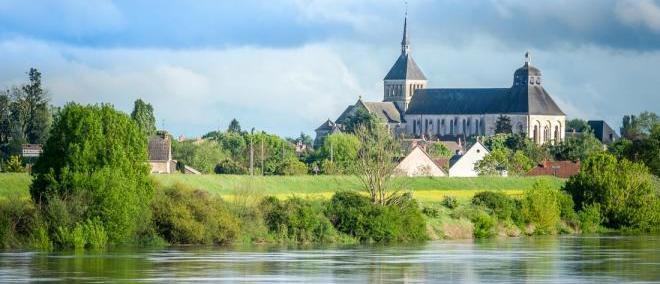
[405,42]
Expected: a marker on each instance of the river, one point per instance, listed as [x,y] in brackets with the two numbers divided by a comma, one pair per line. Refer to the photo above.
[564,259]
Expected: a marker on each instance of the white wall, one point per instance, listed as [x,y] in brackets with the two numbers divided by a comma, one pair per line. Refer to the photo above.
[464,167]
[418,163]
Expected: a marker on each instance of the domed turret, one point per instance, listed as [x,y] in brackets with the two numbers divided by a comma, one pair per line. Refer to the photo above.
[527,75]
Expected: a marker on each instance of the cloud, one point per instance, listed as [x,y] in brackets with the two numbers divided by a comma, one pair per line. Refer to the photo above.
[639,12]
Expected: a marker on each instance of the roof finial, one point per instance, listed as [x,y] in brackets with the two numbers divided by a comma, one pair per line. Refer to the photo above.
[405,42]
[528,58]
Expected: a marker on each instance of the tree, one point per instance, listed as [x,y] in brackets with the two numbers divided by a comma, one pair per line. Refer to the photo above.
[438,150]
[375,163]
[143,115]
[36,104]
[637,127]
[305,139]
[14,165]
[646,150]
[340,150]
[94,165]
[361,117]
[623,190]
[579,125]
[5,119]
[503,124]
[577,147]
[204,156]
[234,126]
[493,163]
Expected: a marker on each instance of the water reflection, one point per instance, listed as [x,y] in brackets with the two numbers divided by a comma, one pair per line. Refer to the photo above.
[542,259]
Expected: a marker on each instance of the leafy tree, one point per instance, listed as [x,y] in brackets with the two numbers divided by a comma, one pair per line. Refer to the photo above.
[230,167]
[203,156]
[36,105]
[541,207]
[493,163]
[235,143]
[644,147]
[503,124]
[292,167]
[624,191]
[143,115]
[93,166]
[339,149]
[636,127]
[577,147]
[438,150]
[375,163]
[305,139]
[361,117]
[579,125]
[234,126]
[5,119]
[14,165]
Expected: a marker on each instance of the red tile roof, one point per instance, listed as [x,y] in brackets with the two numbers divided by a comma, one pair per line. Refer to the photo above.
[562,169]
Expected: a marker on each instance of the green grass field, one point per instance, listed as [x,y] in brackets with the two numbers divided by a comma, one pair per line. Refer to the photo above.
[423,188]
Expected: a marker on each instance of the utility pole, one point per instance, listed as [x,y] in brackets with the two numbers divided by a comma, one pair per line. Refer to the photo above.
[262,154]
[331,153]
[252,152]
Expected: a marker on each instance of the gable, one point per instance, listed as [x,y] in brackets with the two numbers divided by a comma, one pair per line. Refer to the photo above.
[419,163]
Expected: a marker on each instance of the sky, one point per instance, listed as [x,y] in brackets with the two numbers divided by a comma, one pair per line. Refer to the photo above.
[285,66]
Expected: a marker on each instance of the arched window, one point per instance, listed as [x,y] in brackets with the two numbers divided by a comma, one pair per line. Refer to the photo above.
[536,134]
[557,134]
[451,127]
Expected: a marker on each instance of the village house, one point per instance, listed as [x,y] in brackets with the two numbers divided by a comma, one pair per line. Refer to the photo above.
[462,164]
[160,154]
[419,163]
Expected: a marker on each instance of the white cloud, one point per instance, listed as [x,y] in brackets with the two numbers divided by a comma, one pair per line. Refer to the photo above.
[639,12]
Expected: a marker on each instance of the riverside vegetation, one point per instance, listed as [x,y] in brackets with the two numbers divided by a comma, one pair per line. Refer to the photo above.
[91,189]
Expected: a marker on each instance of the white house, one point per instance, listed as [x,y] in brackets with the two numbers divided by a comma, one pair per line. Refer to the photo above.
[462,165]
[419,163]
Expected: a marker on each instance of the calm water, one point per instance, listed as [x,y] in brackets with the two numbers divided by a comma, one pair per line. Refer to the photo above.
[601,259]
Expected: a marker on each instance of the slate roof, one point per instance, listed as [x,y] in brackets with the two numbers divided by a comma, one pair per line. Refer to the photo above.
[523,100]
[602,130]
[386,111]
[159,148]
[328,125]
[405,68]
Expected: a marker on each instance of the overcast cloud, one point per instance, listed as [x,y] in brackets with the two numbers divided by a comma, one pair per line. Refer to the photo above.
[286,66]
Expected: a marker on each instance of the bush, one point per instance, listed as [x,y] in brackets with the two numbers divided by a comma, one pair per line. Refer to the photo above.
[230,167]
[625,191]
[182,215]
[590,218]
[14,165]
[431,212]
[566,207]
[357,216]
[98,154]
[484,225]
[499,203]
[450,202]
[296,220]
[292,167]
[18,219]
[540,206]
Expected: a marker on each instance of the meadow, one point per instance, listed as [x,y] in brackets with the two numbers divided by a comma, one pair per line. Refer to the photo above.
[424,189]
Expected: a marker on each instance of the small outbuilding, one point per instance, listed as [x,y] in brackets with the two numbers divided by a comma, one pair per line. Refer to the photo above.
[160,154]
[419,163]
[462,164]
[561,169]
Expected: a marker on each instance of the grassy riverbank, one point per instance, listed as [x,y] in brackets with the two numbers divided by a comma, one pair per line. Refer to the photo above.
[424,189]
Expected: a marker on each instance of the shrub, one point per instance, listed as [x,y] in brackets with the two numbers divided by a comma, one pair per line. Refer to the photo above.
[431,212]
[624,190]
[99,153]
[292,167]
[450,202]
[540,206]
[14,165]
[182,215]
[590,218]
[18,218]
[499,203]
[484,225]
[566,206]
[296,220]
[357,216]
[230,167]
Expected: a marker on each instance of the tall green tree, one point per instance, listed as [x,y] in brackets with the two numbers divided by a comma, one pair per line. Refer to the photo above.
[375,163]
[503,124]
[577,147]
[38,117]
[143,115]
[5,119]
[361,117]
[579,125]
[93,167]
[234,126]
[339,150]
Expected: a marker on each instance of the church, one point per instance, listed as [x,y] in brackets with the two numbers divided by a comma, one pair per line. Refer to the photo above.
[413,110]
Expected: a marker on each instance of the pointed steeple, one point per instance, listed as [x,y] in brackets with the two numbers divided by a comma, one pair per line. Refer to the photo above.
[405,42]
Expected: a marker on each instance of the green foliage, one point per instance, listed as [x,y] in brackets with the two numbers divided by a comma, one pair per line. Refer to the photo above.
[590,218]
[498,203]
[14,165]
[230,167]
[577,147]
[540,206]
[438,150]
[234,126]
[296,220]
[450,202]
[644,149]
[340,149]
[361,117]
[637,126]
[34,104]
[431,212]
[503,124]
[292,167]
[357,216]
[182,215]
[97,153]
[203,156]
[18,219]
[484,225]
[143,115]
[375,162]
[579,125]
[625,191]
[494,162]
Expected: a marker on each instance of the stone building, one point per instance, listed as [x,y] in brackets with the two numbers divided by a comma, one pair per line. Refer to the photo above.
[410,107]
[160,154]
